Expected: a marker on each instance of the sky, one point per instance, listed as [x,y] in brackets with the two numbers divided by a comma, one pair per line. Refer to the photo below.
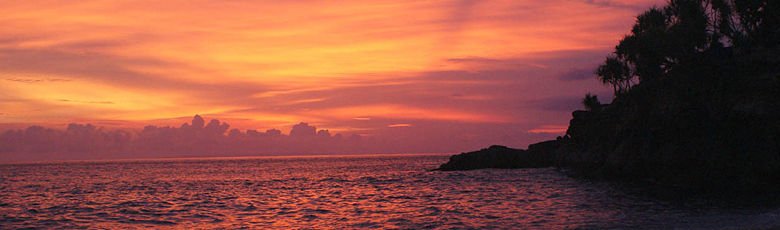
[461,74]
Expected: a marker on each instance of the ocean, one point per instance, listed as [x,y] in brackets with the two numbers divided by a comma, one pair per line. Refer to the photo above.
[341,192]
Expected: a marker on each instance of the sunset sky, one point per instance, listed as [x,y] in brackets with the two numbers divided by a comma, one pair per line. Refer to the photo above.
[472,73]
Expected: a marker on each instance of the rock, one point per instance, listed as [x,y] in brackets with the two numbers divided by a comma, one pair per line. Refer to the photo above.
[497,156]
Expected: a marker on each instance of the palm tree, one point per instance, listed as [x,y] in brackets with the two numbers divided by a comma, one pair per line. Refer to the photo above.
[615,72]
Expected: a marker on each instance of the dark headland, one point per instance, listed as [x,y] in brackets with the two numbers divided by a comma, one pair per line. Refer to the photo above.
[697,105]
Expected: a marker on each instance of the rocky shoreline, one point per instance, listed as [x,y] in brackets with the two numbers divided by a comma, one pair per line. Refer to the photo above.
[696,159]
[694,108]
[540,155]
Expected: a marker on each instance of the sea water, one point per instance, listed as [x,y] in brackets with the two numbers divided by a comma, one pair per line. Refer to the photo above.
[368,191]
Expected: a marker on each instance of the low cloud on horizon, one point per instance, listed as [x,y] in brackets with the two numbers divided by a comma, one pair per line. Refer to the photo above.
[214,138]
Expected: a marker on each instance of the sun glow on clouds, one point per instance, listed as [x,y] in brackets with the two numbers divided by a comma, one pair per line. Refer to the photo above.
[399,125]
[407,112]
[350,65]
[549,129]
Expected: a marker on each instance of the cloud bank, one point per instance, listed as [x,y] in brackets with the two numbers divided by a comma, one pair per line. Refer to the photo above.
[196,138]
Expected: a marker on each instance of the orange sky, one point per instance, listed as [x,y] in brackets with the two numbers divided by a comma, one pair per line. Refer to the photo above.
[507,71]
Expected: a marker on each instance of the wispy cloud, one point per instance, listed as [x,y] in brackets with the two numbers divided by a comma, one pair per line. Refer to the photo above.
[87,102]
[36,80]
[629,5]
[578,74]
[399,125]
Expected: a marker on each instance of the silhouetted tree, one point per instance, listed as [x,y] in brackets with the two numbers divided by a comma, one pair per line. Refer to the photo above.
[663,38]
[687,29]
[591,102]
[643,50]
[751,23]
[615,72]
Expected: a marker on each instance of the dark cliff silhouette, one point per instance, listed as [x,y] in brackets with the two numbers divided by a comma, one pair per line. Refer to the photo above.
[696,104]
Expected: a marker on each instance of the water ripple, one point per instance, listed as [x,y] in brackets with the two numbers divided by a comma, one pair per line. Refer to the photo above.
[348,192]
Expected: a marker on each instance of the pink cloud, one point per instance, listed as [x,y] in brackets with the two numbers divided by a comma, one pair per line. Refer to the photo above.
[399,125]
[549,129]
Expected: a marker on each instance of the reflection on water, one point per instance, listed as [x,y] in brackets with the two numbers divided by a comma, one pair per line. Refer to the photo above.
[332,192]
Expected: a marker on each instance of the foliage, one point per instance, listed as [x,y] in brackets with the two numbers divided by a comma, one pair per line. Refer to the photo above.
[591,102]
[665,38]
[696,85]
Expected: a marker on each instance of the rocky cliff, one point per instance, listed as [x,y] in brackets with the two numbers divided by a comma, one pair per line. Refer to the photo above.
[691,112]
